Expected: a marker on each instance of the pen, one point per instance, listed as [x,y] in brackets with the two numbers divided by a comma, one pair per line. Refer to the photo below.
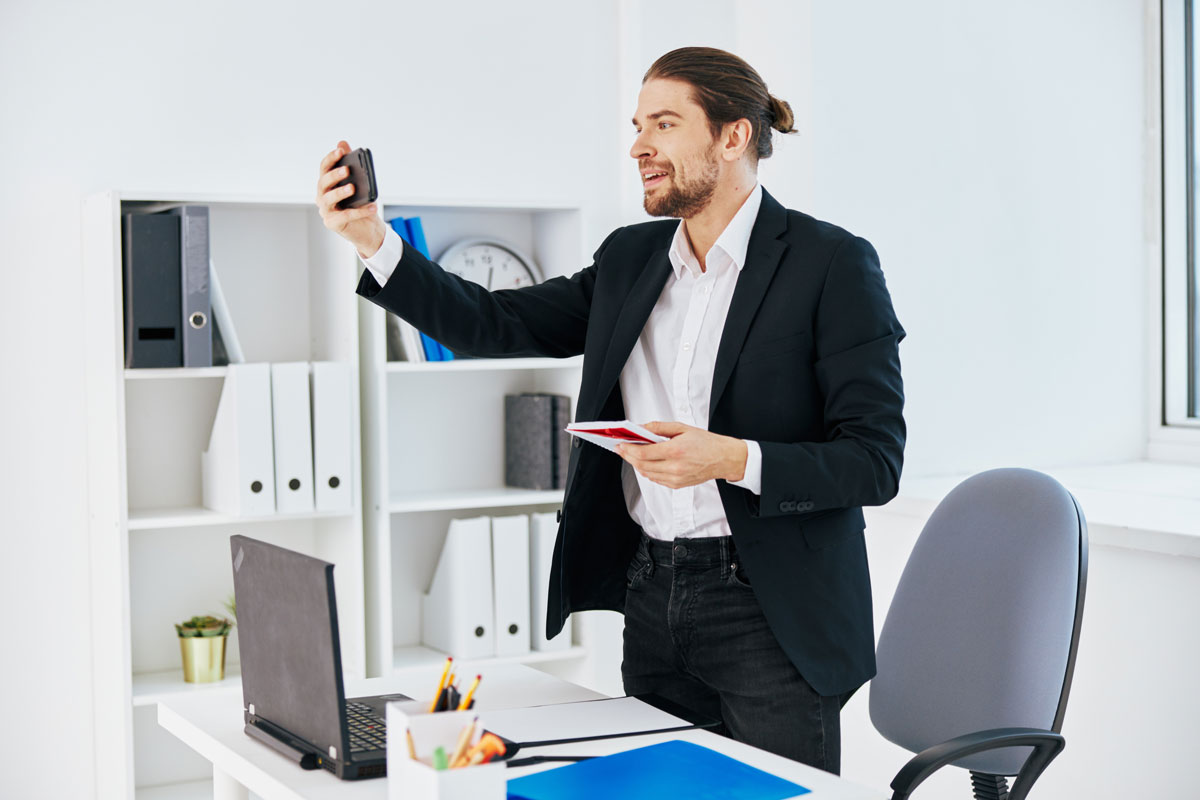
[466,701]
[441,684]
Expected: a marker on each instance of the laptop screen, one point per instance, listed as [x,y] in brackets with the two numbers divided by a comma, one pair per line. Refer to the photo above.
[288,637]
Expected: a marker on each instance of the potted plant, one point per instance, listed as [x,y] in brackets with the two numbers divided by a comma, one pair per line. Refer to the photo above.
[202,643]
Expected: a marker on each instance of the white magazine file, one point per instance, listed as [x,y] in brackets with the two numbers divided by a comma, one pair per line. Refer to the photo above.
[332,454]
[293,437]
[238,468]
[456,614]
[543,529]
[510,583]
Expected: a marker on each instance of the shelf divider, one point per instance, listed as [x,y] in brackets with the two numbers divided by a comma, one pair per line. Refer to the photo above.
[457,500]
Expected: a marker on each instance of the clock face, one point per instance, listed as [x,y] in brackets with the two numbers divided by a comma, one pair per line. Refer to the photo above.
[490,264]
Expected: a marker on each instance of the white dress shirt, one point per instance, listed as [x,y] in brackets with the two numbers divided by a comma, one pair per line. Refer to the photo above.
[668,376]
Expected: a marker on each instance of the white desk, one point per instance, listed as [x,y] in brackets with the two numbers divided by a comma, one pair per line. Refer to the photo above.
[211,723]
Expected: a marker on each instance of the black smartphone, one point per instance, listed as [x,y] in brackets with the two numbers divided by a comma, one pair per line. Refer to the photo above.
[362,175]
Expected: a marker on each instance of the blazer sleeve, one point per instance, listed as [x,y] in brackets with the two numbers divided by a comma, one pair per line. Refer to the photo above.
[856,336]
[546,319]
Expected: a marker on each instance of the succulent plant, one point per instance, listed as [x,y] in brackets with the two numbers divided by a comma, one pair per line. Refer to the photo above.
[204,626]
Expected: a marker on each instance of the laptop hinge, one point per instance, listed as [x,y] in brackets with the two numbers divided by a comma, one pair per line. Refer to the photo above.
[274,736]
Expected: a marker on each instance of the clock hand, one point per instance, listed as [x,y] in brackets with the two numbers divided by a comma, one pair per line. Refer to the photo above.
[489,283]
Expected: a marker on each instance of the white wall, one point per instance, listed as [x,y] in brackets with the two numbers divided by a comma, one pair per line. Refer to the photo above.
[994,156]
[494,101]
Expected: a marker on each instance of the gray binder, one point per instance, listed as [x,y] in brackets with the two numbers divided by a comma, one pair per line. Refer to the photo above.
[151,267]
[536,448]
[528,448]
[560,440]
[195,325]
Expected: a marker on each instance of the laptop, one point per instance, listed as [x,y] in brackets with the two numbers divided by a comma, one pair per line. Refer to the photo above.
[292,690]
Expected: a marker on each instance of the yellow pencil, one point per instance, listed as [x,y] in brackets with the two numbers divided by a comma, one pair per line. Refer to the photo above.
[441,684]
[466,701]
[464,739]
[412,747]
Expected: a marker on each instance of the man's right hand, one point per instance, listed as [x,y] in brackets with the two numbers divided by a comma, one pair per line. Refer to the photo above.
[361,226]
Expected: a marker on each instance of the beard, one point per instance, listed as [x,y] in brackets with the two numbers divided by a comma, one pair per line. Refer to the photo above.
[688,193]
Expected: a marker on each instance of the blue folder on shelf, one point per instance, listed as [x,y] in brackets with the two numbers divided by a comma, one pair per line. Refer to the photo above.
[663,771]
[413,234]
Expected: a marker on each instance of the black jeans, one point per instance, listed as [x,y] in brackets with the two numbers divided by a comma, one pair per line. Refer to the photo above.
[695,634]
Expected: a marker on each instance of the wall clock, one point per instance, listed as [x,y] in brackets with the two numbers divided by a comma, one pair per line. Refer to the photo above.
[490,263]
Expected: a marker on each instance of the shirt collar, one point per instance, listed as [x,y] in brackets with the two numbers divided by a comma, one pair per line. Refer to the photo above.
[733,241]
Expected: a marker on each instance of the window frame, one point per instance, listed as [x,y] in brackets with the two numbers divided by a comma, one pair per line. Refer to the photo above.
[1174,429]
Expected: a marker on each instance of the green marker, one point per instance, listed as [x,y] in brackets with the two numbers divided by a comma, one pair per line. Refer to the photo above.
[439,758]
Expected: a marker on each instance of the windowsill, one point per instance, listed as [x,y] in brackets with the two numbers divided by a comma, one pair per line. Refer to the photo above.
[1142,505]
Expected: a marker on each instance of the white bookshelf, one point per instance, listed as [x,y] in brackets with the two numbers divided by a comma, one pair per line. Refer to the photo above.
[463,500]
[151,687]
[483,365]
[438,428]
[158,556]
[428,447]
[421,656]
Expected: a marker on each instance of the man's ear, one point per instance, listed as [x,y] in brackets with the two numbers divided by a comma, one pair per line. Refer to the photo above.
[735,138]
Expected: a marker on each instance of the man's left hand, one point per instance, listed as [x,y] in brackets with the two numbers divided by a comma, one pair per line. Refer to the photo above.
[691,456]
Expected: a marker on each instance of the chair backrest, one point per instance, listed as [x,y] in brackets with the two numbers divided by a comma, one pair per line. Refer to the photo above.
[984,626]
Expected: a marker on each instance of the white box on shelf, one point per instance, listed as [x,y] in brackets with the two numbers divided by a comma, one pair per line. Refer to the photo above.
[238,468]
[292,422]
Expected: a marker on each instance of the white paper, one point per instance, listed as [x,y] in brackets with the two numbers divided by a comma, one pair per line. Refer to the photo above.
[586,720]
[592,432]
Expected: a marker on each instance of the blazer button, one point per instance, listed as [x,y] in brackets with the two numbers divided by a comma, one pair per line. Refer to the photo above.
[576,441]
[787,506]
[558,515]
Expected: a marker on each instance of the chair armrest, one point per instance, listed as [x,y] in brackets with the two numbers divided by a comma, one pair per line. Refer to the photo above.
[1046,745]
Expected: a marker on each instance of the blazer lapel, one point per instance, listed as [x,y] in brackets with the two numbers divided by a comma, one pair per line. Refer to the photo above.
[636,310]
[762,259]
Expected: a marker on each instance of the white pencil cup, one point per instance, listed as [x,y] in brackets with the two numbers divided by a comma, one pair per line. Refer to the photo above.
[416,779]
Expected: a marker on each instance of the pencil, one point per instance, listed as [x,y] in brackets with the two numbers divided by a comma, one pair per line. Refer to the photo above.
[466,701]
[464,739]
[441,684]
[412,748]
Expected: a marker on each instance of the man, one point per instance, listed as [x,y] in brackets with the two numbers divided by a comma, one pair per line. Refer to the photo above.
[764,343]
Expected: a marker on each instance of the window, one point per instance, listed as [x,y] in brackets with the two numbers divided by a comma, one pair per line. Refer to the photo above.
[1181,212]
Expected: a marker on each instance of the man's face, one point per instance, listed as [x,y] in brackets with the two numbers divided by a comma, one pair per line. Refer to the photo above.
[675,150]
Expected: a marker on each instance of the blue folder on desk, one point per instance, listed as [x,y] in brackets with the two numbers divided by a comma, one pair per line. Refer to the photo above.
[663,771]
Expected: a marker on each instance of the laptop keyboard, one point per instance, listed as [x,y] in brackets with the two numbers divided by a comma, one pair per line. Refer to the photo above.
[368,730]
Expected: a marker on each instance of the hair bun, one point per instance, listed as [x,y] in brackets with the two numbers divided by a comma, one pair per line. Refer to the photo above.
[781,113]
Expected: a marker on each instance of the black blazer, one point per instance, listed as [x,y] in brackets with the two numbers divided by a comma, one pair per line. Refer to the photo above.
[808,366]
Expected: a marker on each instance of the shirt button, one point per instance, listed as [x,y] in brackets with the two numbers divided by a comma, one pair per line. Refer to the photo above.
[708,290]
[687,345]
[683,409]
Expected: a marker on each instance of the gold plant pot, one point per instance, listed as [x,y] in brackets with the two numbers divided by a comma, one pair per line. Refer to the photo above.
[203,658]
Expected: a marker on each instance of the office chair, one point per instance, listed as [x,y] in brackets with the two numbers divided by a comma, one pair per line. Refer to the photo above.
[977,652]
